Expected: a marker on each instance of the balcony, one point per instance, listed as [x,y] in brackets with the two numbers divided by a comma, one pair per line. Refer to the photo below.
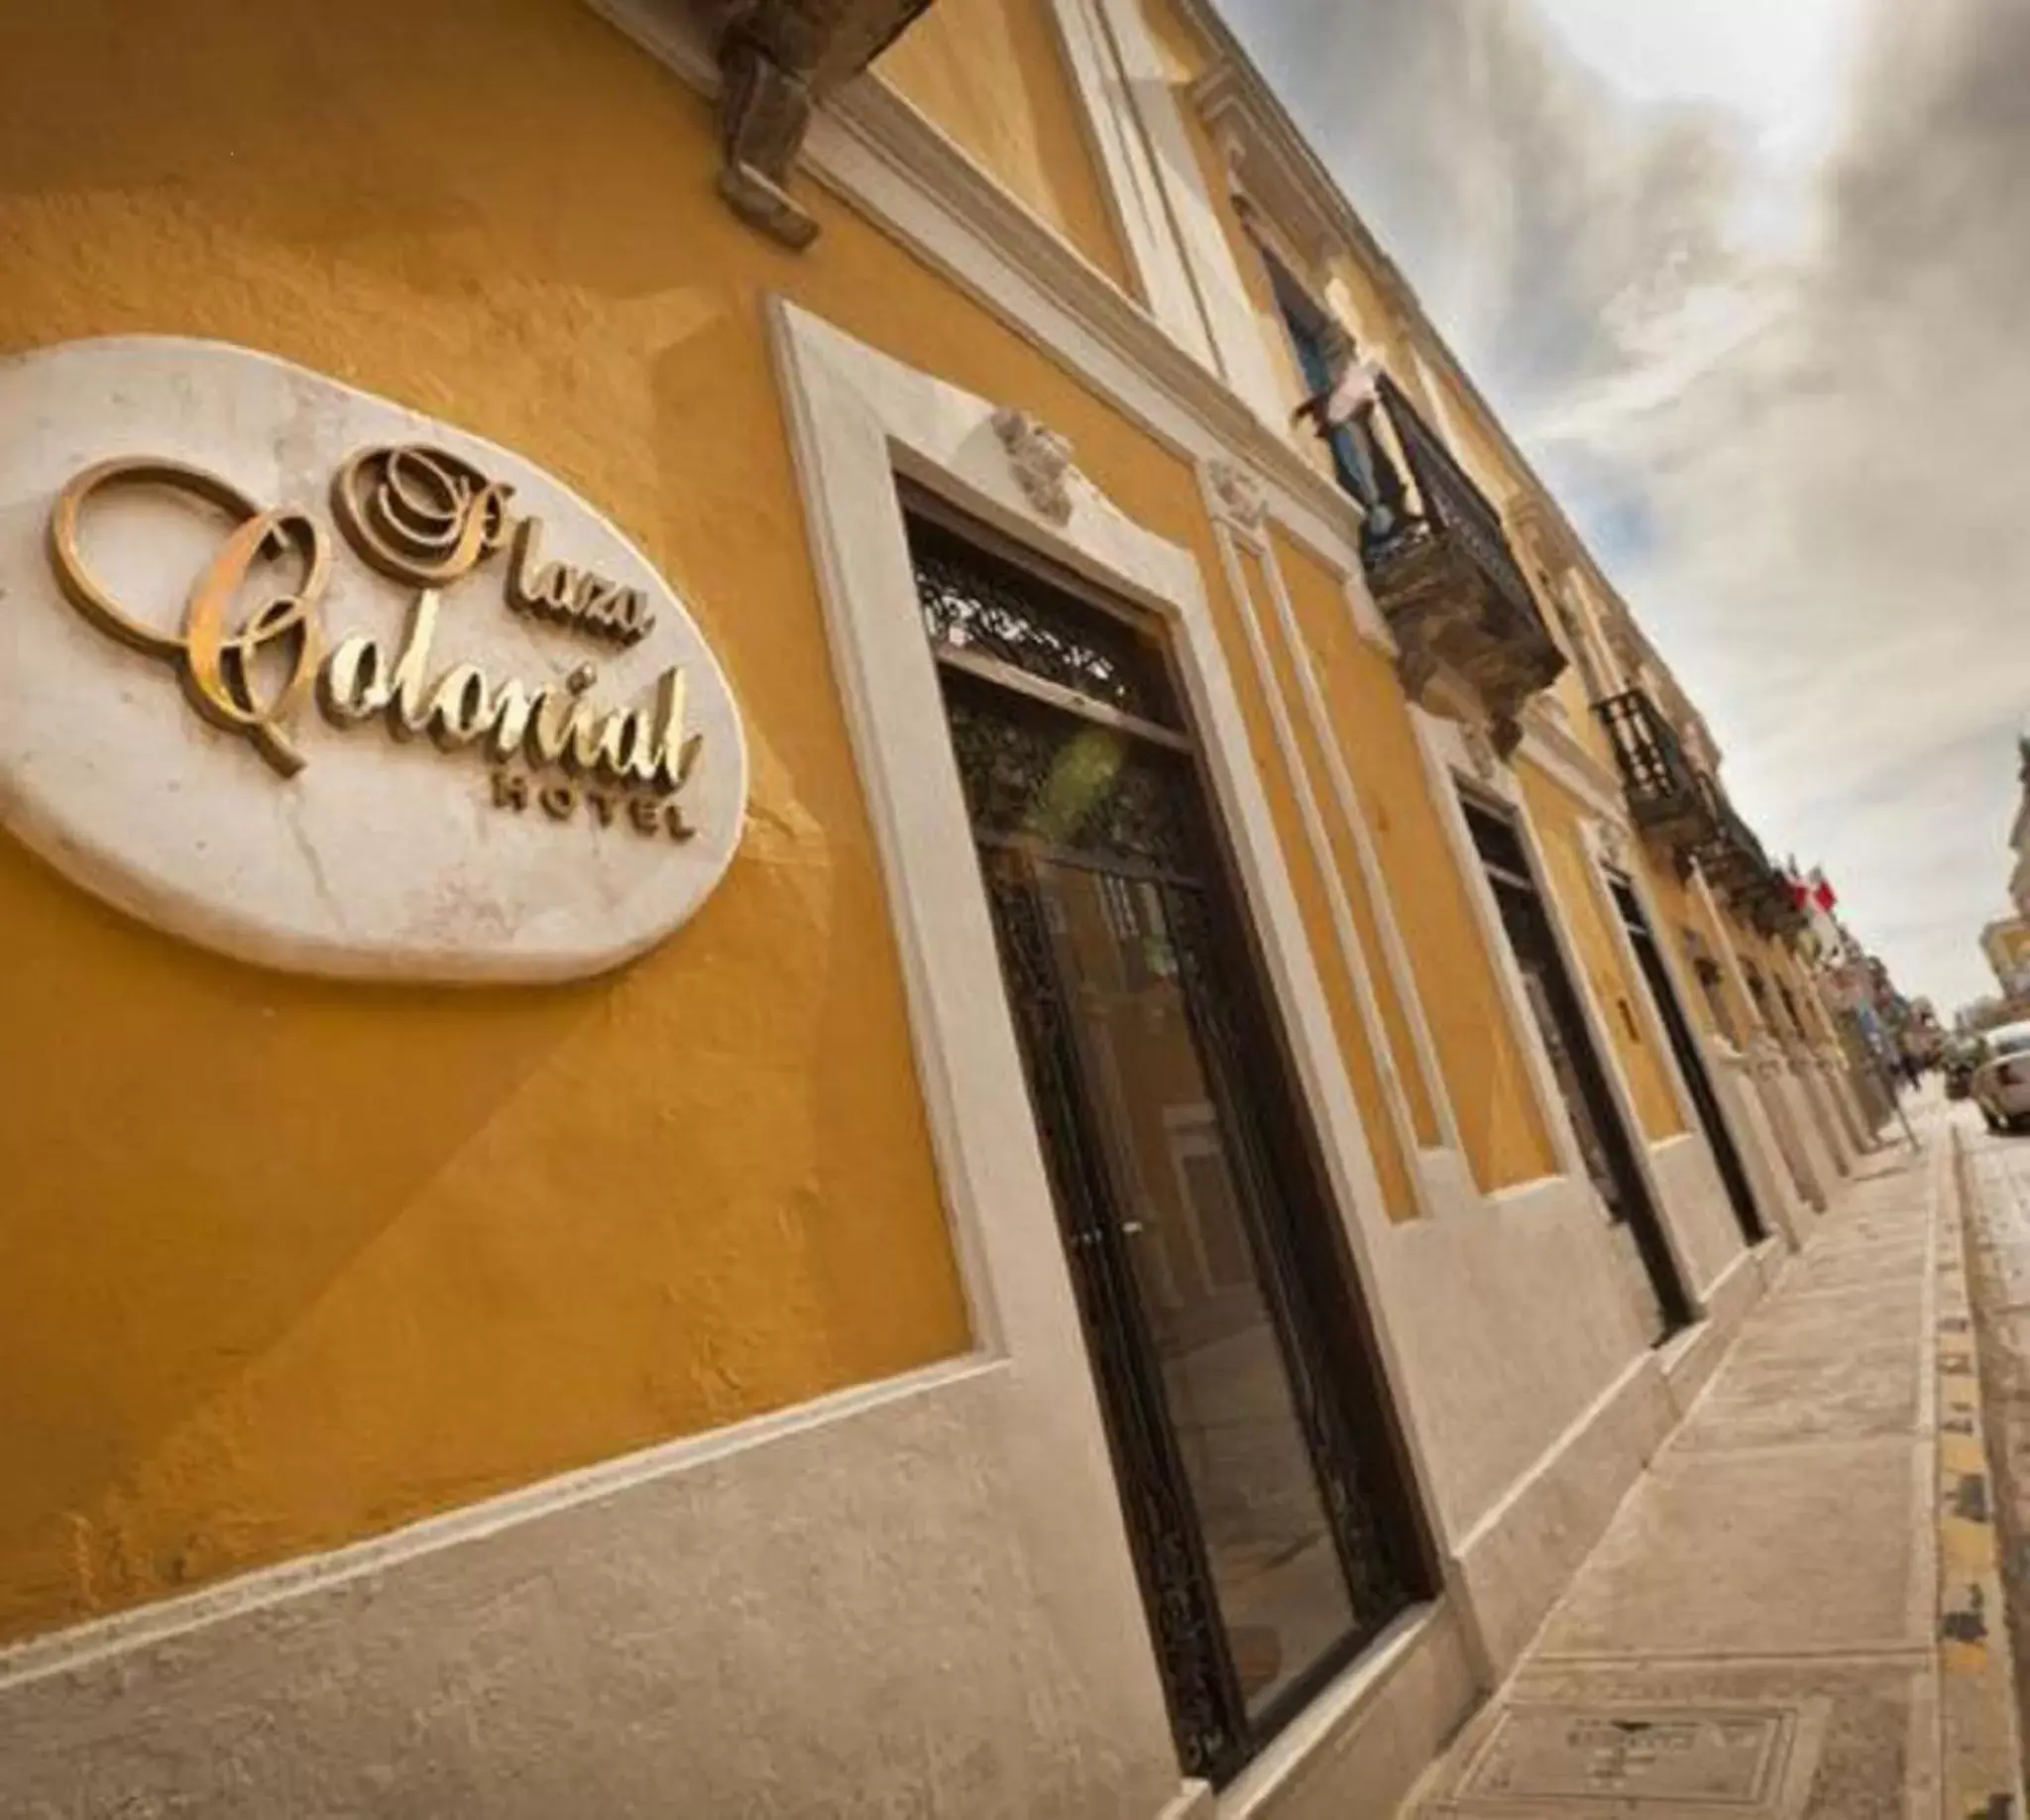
[1772,905]
[1730,855]
[1661,783]
[1452,588]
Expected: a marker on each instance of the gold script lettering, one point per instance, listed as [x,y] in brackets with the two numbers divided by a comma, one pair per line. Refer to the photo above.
[215,659]
[249,670]
[420,515]
[573,597]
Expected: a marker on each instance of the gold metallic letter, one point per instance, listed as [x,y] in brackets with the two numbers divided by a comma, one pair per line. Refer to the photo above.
[214,658]
[418,515]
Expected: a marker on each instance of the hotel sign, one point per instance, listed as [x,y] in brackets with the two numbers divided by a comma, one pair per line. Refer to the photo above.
[295,674]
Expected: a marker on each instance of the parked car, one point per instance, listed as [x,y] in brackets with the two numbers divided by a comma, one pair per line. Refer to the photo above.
[2001,1083]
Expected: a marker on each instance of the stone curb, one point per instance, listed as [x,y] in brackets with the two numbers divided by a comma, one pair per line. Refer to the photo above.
[1981,1765]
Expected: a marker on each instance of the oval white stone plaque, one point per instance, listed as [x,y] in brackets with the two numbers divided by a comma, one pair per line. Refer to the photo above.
[436,720]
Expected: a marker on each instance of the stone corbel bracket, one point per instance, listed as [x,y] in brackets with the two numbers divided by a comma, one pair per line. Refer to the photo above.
[1041,460]
[777,60]
[1237,496]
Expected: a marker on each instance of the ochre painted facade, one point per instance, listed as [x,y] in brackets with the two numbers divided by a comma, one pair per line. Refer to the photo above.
[374,1253]
[1486,1077]
[992,77]
[290,1263]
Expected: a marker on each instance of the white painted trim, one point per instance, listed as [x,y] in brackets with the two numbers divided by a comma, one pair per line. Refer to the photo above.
[1228,312]
[1675,973]
[1128,175]
[1632,968]
[878,153]
[1607,1051]
[76,1647]
[1557,751]
[1445,752]
[1231,539]
[1521,1553]
[1448,765]
[858,418]
[1548,1463]
[1326,734]
[1302,1751]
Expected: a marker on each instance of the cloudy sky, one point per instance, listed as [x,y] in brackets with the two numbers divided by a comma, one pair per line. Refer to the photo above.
[1751,281]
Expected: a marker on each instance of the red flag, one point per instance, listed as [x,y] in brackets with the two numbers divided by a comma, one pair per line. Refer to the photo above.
[1822,893]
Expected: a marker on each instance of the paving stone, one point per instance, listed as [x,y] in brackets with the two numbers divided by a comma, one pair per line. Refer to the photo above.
[1771,1552]
[1808,1395]
[1862,1747]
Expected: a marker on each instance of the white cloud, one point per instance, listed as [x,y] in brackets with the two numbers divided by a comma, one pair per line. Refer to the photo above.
[1804,454]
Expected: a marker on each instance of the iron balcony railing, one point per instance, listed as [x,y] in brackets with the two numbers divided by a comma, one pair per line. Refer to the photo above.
[1453,506]
[1730,855]
[1661,783]
[1448,582]
[1770,902]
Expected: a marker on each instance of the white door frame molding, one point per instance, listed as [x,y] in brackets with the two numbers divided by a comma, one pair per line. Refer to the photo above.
[873,148]
[860,423]
[1599,837]
[1129,177]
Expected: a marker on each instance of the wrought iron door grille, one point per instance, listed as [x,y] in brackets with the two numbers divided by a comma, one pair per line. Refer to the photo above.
[1091,790]
[1091,778]
[973,600]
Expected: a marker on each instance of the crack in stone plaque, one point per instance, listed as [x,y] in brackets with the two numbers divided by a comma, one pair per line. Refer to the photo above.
[1648,1763]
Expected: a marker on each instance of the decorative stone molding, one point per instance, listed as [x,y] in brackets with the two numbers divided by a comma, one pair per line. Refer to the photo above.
[1237,493]
[777,60]
[1765,1056]
[1613,846]
[1481,753]
[1042,461]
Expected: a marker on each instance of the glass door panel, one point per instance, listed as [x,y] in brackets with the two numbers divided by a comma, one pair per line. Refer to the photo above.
[1282,1592]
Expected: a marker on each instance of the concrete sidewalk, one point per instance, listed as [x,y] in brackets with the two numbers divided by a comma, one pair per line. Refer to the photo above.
[1765,1631]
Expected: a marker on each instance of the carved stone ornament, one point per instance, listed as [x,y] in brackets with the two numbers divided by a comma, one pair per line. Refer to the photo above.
[1480,754]
[777,60]
[294,673]
[1238,493]
[1042,461]
[1613,846]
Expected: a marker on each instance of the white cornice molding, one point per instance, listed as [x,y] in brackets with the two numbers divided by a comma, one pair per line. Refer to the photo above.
[1558,754]
[870,146]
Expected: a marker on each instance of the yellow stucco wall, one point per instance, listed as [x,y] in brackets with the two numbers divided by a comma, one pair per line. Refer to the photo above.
[1323,599]
[287,1262]
[1620,993]
[1392,1164]
[1500,1126]
[992,75]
